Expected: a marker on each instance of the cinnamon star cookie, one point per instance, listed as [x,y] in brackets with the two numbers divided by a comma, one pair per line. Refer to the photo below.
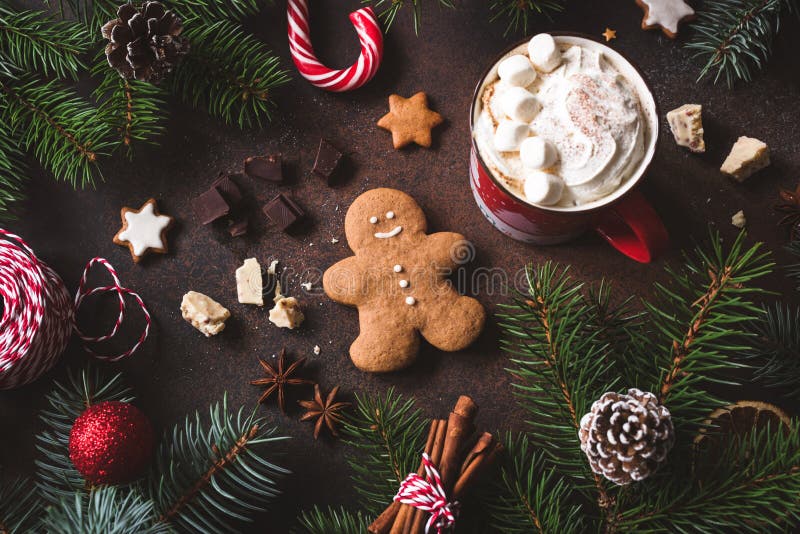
[143,230]
[410,120]
[665,14]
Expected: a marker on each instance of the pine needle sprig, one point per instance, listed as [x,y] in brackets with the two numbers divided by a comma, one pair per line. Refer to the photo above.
[388,10]
[210,479]
[331,521]
[19,505]
[106,510]
[529,496]
[12,173]
[229,73]
[774,348]
[519,12]
[696,325]
[35,41]
[387,433]
[57,478]
[734,37]
[793,270]
[63,131]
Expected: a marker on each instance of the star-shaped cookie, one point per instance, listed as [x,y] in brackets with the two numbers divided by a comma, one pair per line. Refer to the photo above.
[143,230]
[410,120]
[665,14]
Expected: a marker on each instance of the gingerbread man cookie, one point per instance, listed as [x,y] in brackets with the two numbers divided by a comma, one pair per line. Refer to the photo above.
[397,280]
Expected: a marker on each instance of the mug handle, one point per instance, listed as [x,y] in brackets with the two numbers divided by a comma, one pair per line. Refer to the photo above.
[634,228]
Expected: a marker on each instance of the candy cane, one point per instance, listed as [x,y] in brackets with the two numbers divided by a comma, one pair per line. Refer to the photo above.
[369,34]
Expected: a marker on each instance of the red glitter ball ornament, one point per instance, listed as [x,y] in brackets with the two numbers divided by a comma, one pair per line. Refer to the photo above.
[111,443]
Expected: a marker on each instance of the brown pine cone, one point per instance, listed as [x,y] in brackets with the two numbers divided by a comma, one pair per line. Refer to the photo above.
[145,44]
[626,437]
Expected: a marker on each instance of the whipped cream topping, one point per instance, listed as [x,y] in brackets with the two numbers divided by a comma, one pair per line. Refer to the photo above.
[586,115]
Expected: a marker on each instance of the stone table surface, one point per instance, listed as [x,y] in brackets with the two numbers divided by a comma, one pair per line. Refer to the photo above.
[178,371]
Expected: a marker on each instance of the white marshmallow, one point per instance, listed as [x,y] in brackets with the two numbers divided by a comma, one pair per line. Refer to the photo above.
[520,105]
[543,188]
[544,53]
[516,70]
[537,153]
[509,135]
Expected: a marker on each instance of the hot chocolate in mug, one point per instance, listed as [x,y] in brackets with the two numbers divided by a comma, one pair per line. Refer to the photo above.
[601,161]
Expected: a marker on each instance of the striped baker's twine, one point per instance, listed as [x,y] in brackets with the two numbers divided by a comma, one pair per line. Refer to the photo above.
[38,316]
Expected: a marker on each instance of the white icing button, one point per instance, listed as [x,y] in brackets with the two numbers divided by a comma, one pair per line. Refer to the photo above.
[519,104]
[516,70]
[403,283]
[373,220]
[543,188]
[537,153]
[544,53]
[390,215]
[398,268]
[411,301]
[509,135]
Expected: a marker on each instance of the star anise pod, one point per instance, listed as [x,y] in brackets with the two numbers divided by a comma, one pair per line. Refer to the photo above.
[277,380]
[790,206]
[325,411]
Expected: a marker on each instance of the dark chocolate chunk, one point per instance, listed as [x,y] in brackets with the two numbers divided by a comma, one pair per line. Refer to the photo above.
[264,167]
[328,157]
[283,212]
[210,206]
[228,188]
[238,228]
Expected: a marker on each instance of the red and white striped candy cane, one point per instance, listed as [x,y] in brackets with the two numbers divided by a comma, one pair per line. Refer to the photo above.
[38,316]
[369,34]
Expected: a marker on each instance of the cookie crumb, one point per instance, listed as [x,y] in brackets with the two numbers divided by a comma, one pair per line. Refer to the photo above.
[334,240]
[317,350]
[738,219]
[306,285]
[272,267]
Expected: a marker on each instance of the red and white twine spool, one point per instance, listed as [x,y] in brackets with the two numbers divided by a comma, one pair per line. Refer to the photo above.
[363,70]
[38,315]
[427,494]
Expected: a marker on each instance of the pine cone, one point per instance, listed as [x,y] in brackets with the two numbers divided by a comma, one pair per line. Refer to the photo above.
[146,43]
[626,437]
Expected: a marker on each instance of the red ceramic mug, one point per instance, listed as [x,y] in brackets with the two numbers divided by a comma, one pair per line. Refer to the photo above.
[624,218]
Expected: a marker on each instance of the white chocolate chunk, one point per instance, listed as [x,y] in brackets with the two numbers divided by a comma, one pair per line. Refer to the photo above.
[286,313]
[537,153]
[747,157]
[544,53]
[510,134]
[520,105]
[543,188]
[738,219]
[516,70]
[686,123]
[249,286]
[204,313]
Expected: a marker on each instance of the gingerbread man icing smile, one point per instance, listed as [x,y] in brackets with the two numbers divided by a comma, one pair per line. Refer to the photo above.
[397,280]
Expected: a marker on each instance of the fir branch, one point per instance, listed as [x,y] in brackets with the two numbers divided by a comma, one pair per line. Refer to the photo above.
[559,370]
[133,108]
[734,37]
[696,324]
[104,510]
[531,497]
[774,348]
[793,270]
[331,521]
[519,12]
[34,41]
[57,477]
[387,433]
[12,172]
[210,480]
[63,131]
[388,9]
[19,506]
[229,73]
[212,10]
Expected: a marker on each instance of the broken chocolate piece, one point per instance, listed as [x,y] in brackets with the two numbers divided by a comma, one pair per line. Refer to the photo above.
[283,212]
[210,206]
[264,167]
[328,158]
[238,228]
[228,188]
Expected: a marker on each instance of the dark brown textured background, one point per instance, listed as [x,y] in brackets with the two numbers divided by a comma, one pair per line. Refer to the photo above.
[179,371]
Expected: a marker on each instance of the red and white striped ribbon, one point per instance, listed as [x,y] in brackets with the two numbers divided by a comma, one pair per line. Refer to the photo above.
[363,70]
[38,316]
[428,495]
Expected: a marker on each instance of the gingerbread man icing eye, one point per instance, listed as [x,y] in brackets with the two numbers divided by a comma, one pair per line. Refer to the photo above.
[390,215]
[373,220]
